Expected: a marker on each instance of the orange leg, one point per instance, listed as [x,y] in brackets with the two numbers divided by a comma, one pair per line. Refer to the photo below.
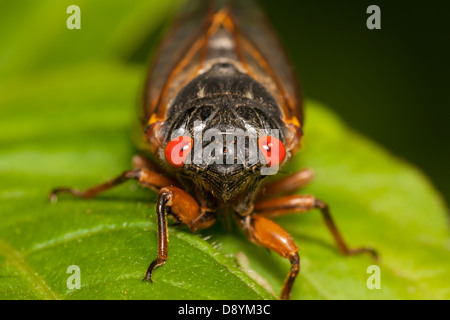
[303,203]
[270,235]
[288,184]
[181,206]
[140,162]
[143,172]
[172,201]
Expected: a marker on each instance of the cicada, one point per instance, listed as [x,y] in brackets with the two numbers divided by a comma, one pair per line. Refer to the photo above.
[222,112]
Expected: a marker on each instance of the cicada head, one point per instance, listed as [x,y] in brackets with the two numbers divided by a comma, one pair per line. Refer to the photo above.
[224,132]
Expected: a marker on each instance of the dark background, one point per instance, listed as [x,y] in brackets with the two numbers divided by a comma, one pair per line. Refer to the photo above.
[389,84]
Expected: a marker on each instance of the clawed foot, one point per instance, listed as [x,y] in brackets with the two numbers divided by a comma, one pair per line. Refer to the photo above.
[53,196]
[355,251]
[155,263]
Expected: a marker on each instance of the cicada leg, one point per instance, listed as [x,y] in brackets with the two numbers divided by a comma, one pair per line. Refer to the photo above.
[172,201]
[141,162]
[181,206]
[288,184]
[143,171]
[270,235]
[263,231]
[302,203]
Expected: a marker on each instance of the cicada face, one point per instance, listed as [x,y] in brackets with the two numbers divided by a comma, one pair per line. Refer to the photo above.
[216,133]
[223,119]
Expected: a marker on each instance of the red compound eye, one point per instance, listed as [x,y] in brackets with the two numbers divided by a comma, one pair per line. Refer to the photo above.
[177,150]
[272,149]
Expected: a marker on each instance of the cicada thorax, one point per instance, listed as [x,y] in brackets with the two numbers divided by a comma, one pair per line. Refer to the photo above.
[207,35]
[223,67]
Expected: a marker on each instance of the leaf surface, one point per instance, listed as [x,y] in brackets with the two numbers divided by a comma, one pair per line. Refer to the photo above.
[66,116]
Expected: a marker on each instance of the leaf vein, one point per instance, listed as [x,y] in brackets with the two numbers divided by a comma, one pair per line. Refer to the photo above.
[17,259]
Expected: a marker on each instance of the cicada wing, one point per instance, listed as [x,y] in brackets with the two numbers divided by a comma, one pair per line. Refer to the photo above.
[266,58]
[177,56]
